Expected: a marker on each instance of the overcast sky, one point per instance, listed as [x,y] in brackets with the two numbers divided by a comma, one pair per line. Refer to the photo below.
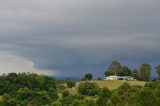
[72,37]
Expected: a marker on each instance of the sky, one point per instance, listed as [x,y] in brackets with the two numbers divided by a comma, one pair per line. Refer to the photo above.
[74,37]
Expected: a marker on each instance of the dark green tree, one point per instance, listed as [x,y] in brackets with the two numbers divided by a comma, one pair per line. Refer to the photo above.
[88,88]
[88,76]
[70,83]
[135,74]
[103,97]
[115,68]
[147,97]
[109,73]
[145,72]
[126,71]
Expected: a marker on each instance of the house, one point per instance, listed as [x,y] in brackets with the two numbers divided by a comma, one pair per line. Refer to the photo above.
[115,77]
[112,77]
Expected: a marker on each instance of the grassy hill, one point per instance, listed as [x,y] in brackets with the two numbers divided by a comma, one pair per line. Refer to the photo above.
[115,83]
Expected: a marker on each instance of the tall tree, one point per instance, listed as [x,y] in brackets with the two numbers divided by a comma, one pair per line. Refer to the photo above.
[158,70]
[126,71]
[115,67]
[145,72]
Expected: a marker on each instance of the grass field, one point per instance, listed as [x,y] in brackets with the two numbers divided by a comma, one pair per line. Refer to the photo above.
[116,83]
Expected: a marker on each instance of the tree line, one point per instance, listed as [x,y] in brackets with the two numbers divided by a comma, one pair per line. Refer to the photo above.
[27,89]
[115,68]
[143,73]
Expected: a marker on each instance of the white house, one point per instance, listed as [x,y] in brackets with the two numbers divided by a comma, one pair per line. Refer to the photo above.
[112,77]
[115,77]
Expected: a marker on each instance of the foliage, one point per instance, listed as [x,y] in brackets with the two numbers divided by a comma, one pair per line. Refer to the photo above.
[56,103]
[88,76]
[27,89]
[88,88]
[65,93]
[115,68]
[152,85]
[135,74]
[109,73]
[145,72]
[70,83]
[104,95]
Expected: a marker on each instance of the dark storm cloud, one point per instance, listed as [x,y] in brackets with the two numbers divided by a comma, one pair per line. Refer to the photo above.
[81,35]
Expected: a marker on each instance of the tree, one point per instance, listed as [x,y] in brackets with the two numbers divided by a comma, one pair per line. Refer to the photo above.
[125,71]
[145,72]
[158,70]
[27,89]
[135,74]
[87,88]
[109,73]
[88,76]
[104,95]
[70,83]
[147,97]
[115,68]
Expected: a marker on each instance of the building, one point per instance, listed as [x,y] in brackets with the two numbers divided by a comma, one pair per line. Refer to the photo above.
[115,77]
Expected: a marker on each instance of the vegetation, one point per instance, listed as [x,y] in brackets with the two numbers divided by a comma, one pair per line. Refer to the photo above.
[87,77]
[88,88]
[145,72]
[70,83]
[115,83]
[115,68]
[29,89]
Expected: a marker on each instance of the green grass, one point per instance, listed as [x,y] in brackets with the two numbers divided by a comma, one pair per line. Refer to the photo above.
[115,83]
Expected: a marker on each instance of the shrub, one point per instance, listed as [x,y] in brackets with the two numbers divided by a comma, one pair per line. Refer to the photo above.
[88,88]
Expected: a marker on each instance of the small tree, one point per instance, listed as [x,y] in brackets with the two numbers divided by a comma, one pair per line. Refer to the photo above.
[104,95]
[88,88]
[88,76]
[70,83]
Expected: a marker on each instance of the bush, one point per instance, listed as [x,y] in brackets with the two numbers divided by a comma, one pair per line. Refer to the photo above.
[88,88]
[56,103]
[70,83]
[104,96]
[65,94]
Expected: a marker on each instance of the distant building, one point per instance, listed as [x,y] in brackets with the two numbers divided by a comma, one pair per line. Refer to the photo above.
[115,77]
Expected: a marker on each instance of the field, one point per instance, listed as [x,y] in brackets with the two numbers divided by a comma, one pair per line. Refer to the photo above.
[115,83]
[109,84]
